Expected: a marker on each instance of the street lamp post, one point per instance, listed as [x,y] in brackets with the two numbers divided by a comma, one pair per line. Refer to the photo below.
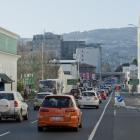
[42,58]
[138,50]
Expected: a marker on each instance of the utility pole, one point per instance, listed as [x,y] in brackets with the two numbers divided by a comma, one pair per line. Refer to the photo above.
[100,64]
[42,56]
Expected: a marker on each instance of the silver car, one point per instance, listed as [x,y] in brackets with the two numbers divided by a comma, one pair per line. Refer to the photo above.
[39,99]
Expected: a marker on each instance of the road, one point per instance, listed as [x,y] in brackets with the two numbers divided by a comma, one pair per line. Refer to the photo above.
[107,123]
[10,130]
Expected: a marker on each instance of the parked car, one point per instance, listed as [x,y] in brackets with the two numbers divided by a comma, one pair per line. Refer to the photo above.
[13,106]
[88,98]
[59,111]
[39,99]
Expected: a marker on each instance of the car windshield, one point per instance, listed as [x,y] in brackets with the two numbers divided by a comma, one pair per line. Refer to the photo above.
[7,96]
[41,96]
[57,102]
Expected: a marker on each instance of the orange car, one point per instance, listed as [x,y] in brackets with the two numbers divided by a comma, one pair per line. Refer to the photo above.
[61,111]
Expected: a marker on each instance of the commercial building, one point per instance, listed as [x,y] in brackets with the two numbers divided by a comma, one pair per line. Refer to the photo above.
[68,48]
[90,55]
[8,60]
[50,42]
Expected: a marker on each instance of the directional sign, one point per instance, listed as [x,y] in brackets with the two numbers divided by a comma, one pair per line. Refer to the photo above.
[72,81]
[133,82]
[120,99]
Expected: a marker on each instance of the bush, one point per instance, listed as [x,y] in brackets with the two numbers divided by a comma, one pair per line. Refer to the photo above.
[20,86]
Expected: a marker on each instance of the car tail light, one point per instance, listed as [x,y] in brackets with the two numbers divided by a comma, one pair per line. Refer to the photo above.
[15,103]
[43,110]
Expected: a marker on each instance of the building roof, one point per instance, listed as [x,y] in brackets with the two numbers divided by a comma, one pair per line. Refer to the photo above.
[9,33]
[4,78]
[67,61]
[87,65]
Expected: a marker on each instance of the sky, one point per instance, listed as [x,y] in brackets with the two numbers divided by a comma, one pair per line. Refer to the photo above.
[29,17]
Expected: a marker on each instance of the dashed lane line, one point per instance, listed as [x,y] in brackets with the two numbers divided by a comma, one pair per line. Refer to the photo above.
[115,112]
[6,133]
[99,121]
[33,122]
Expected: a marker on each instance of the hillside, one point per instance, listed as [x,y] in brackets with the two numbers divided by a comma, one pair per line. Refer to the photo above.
[119,44]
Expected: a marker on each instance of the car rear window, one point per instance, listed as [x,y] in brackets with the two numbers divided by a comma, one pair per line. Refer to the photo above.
[7,96]
[57,102]
[41,96]
[88,94]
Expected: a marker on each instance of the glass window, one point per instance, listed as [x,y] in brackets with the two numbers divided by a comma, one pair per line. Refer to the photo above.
[7,96]
[57,102]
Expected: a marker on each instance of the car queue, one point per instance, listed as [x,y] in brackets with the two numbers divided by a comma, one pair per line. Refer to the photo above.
[54,110]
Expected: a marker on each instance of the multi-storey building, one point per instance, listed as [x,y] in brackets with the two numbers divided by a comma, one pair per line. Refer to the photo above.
[8,60]
[90,55]
[68,48]
[50,42]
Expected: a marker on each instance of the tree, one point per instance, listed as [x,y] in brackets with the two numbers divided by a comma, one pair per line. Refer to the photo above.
[135,62]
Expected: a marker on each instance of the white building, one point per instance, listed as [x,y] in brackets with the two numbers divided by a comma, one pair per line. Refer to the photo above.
[89,55]
[8,60]
[138,28]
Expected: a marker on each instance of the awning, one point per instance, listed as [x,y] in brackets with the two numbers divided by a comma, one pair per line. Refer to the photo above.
[5,79]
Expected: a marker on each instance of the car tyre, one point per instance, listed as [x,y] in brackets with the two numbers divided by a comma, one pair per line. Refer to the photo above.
[97,107]
[80,126]
[76,129]
[20,117]
[26,117]
[40,129]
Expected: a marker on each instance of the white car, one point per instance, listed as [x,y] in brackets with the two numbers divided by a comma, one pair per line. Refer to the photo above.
[89,99]
[13,106]
[39,99]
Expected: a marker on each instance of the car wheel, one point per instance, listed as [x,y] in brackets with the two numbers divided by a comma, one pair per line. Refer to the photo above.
[26,117]
[19,117]
[35,108]
[40,129]
[80,126]
[97,107]
[76,129]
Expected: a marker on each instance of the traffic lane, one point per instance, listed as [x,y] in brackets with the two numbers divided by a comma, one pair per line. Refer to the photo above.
[28,130]
[106,127]
[126,124]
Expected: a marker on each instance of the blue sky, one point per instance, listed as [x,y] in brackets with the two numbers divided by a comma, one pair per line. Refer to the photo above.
[28,17]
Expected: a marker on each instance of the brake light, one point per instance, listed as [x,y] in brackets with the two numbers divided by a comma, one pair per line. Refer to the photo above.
[43,110]
[15,103]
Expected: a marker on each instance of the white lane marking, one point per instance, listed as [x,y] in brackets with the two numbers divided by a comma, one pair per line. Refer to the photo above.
[115,112]
[33,122]
[5,134]
[99,121]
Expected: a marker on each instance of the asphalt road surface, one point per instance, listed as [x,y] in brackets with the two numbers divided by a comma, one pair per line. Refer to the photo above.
[105,123]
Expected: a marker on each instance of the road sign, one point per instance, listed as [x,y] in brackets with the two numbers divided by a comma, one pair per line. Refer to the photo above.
[133,82]
[72,81]
[120,99]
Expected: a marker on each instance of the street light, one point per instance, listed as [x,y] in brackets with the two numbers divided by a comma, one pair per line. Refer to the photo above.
[42,56]
[138,52]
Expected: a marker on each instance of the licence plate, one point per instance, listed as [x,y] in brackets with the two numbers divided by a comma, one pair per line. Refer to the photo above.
[57,118]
